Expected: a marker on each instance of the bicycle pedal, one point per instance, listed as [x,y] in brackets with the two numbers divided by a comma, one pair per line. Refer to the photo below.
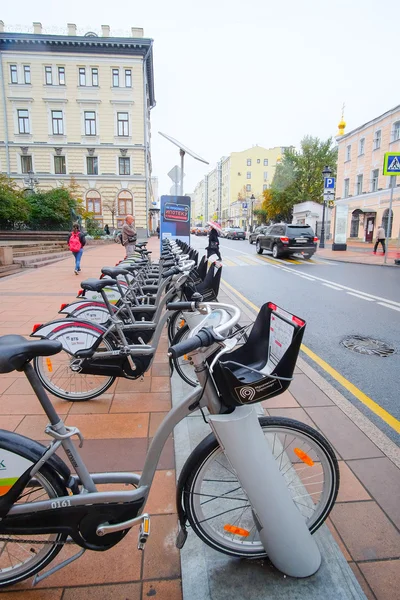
[144,532]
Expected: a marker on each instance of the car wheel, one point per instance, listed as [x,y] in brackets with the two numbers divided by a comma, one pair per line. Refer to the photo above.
[258,247]
[250,241]
[275,251]
[307,256]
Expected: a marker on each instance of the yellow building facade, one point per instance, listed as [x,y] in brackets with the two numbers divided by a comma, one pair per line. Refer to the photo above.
[78,108]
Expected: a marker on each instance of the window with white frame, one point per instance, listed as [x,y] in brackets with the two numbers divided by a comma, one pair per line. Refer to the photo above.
[265,187]
[93,202]
[265,162]
[57,122]
[61,75]
[359,185]
[248,175]
[348,152]
[115,77]
[90,122]
[123,123]
[361,147]
[26,163]
[346,188]
[13,74]
[124,166]
[23,121]
[59,165]
[258,161]
[248,187]
[396,131]
[265,175]
[125,203]
[92,166]
[377,139]
[128,78]
[249,162]
[48,75]
[27,74]
[82,76]
[374,180]
[95,77]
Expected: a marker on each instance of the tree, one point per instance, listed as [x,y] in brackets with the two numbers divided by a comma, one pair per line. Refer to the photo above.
[52,209]
[112,208]
[14,208]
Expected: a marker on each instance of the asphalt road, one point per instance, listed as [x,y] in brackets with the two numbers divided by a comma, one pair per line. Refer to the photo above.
[336,300]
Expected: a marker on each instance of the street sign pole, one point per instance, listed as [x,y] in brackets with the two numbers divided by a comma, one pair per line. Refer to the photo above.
[391,168]
[329,186]
[389,223]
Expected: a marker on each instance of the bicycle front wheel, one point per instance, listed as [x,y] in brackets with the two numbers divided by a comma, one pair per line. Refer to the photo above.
[217,507]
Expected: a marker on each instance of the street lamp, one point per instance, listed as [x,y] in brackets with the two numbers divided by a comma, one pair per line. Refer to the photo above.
[325,173]
[31,181]
[252,198]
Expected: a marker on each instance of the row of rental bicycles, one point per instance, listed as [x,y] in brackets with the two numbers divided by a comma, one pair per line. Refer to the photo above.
[113,330]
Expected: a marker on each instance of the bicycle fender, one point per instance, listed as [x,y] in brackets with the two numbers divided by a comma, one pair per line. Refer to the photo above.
[95,312]
[113,295]
[80,341]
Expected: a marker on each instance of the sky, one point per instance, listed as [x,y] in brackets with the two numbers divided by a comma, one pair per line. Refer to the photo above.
[230,74]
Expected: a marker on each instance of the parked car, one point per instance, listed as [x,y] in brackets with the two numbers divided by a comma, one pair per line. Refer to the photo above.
[258,231]
[283,240]
[201,231]
[235,233]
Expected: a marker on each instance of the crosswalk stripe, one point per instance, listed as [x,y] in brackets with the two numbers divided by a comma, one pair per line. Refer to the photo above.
[228,263]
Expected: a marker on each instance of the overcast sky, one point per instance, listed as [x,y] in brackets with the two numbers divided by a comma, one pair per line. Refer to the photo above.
[230,74]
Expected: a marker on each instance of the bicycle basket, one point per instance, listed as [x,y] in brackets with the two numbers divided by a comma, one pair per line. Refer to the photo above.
[208,288]
[263,366]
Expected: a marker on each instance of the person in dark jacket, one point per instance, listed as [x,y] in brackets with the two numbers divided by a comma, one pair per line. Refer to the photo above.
[76,242]
[106,229]
[213,240]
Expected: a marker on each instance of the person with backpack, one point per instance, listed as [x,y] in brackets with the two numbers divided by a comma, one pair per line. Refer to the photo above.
[76,242]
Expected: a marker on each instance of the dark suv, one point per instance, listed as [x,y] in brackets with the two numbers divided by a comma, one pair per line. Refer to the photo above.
[258,231]
[235,233]
[283,240]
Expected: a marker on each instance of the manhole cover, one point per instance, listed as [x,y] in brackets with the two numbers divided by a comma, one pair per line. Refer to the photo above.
[367,345]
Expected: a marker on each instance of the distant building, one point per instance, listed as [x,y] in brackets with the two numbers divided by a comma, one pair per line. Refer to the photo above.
[361,186]
[78,106]
[310,213]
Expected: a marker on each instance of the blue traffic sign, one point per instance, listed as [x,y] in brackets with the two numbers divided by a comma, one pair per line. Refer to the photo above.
[391,165]
[329,183]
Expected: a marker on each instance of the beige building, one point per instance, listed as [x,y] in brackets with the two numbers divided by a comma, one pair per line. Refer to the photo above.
[236,184]
[361,185]
[78,106]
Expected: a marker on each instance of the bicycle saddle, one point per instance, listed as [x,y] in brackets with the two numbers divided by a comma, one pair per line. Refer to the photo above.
[96,285]
[16,351]
[140,244]
[113,272]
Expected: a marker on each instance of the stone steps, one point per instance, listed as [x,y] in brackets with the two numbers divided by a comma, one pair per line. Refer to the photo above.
[6,270]
[41,260]
[35,251]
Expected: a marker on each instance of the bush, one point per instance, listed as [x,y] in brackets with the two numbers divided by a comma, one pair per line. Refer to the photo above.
[14,208]
[51,210]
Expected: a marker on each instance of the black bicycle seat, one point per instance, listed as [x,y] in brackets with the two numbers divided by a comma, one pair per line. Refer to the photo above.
[114,271]
[16,351]
[96,285]
[140,244]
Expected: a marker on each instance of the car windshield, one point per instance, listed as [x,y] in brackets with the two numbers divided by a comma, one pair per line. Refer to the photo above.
[299,230]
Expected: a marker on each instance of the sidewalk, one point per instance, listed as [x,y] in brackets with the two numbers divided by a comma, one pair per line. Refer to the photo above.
[360,253]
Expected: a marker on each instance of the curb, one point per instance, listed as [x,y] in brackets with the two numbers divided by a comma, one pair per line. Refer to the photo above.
[357,262]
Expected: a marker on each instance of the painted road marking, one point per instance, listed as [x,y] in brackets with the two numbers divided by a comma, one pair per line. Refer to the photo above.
[227,263]
[306,277]
[359,296]
[333,287]
[389,306]
[350,387]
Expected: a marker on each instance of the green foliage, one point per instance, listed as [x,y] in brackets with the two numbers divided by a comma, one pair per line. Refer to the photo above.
[14,208]
[51,210]
[93,229]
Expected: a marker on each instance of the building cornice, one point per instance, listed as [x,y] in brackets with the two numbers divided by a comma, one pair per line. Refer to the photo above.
[346,136]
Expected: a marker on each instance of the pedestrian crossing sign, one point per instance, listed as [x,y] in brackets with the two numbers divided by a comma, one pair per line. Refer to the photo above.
[391,163]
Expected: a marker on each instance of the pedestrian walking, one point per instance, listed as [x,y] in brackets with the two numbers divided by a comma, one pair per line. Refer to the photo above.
[106,229]
[213,241]
[158,231]
[380,239]
[129,235]
[76,242]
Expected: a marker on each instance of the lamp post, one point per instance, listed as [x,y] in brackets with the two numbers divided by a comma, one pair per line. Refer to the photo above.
[31,181]
[325,173]
[252,198]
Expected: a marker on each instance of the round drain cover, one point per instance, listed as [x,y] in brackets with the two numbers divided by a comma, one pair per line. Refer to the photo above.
[367,345]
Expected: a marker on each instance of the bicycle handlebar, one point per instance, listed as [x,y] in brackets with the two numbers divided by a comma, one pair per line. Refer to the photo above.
[205,337]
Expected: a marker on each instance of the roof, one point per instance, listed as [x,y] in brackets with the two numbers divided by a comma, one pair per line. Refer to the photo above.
[28,42]
[361,127]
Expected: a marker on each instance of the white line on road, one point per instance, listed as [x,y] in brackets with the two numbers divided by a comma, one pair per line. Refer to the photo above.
[309,278]
[389,306]
[333,287]
[359,296]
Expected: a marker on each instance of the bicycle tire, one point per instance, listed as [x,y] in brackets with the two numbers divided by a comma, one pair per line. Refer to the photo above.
[76,379]
[52,485]
[210,529]
[175,323]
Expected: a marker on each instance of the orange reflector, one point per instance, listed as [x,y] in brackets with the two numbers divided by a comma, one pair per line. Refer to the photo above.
[146,525]
[236,530]
[49,365]
[36,326]
[304,457]
[185,357]
[181,323]
[63,305]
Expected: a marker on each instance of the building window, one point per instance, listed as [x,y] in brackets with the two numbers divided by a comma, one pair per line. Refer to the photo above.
[265,162]
[57,122]
[265,175]
[124,166]
[355,223]
[95,77]
[248,175]
[348,152]
[248,187]
[90,123]
[361,147]
[92,166]
[59,165]
[377,139]
[265,187]
[23,121]
[61,75]
[115,77]
[258,161]
[396,131]
[82,76]
[93,203]
[374,180]
[385,222]
[128,77]
[26,164]
[27,74]
[13,74]
[123,123]
[346,188]
[48,73]
[249,162]
[125,203]
[359,184]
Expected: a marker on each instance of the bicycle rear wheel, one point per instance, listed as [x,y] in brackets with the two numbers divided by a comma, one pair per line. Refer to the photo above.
[217,507]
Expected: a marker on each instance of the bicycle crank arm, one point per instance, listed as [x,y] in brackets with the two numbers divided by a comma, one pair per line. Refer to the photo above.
[144,520]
